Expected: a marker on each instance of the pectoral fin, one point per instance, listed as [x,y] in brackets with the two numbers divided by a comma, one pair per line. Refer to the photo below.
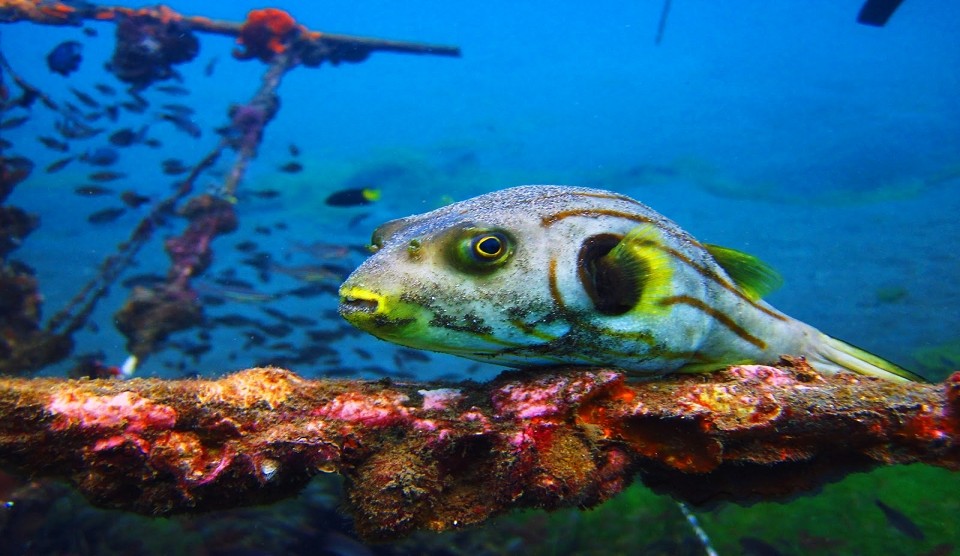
[754,277]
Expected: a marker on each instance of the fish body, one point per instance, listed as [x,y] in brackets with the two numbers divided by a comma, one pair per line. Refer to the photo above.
[554,275]
[65,58]
[353,197]
[102,156]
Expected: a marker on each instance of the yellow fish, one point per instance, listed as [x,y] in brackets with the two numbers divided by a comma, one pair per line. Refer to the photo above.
[554,275]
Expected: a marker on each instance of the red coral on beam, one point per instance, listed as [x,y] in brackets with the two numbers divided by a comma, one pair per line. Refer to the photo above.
[437,457]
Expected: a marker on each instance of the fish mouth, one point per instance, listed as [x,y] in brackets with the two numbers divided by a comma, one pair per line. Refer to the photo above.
[350,305]
[360,303]
[374,312]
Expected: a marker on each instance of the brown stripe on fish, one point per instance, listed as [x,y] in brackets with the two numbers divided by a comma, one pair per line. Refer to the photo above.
[554,288]
[720,317]
[552,219]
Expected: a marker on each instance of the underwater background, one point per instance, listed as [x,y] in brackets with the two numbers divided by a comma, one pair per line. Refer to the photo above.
[829,149]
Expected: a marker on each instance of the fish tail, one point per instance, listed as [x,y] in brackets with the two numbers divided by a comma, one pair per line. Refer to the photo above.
[836,355]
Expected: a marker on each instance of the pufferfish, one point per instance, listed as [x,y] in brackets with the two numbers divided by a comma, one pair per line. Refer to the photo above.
[555,275]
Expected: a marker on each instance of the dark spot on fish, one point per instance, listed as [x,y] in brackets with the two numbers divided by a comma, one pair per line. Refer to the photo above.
[105,89]
[153,143]
[65,58]
[294,150]
[291,167]
[106,215]
[363,354]
[90,32]
[262,230]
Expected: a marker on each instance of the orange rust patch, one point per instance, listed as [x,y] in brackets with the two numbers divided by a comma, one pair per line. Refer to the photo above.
[267,385]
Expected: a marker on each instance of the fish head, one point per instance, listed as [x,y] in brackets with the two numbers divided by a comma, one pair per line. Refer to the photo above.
[495,278]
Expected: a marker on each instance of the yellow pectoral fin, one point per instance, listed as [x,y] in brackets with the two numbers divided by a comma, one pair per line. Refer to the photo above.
[754,277]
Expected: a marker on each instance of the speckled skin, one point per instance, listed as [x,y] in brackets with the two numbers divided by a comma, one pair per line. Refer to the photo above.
[534,308]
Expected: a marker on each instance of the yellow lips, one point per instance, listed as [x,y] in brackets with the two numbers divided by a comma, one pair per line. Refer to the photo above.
[376,313]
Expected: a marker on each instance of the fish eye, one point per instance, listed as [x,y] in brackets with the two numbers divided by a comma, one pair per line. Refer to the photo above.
[488,247]
[478,250]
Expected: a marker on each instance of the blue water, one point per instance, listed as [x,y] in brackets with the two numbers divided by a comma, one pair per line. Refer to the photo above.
[829,149]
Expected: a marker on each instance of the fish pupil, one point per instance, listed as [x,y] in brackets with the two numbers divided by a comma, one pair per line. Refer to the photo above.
[489,247]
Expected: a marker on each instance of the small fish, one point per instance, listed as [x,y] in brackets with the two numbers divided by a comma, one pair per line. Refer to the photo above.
[106,215]
[143,280]
[174,167]
[133,199]
[72,129]
[175,90]
[104,156]
[58,165]
[899,521]
[182,124]
[291,167]
[126,136]
[92,190]
[266,193]
[65,58]
[134,107]
[14,122]
[553,275]
[106,176]
[294,150]
[353,197]
[181,109]
[112,111]
[246,247]
[210,67]
[86,99]
[105,89]
[53,144]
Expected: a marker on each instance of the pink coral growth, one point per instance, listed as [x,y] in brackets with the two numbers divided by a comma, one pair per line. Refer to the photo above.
[128,410]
